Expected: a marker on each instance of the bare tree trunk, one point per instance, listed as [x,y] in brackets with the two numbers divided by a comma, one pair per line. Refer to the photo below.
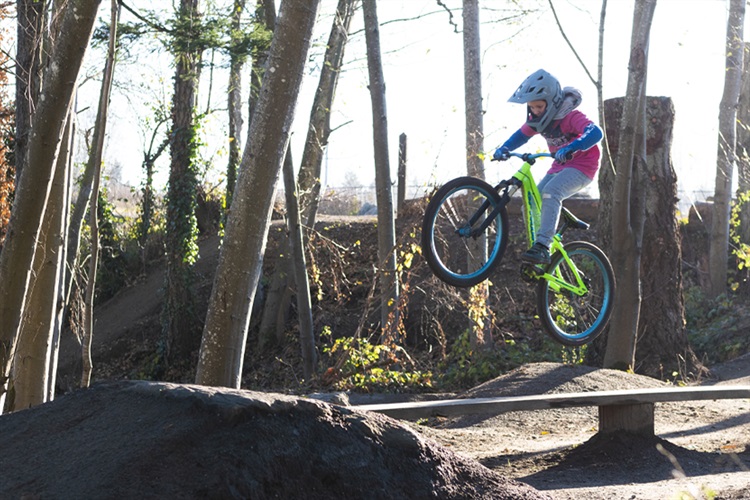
[386,223]
[718,262]
[299,271]
[276,307]
[87,333]
[479,337]
[234,98]
[606,153]
[29,383]
[742,150]
[33,189]
[662,343]
[600,71]
[95,158]
[401,174]
[78,213]
[273,313]
[148,200]
[66,155]
[473,90]
[627,206]
[30,32]
[265,14]
[320,117]
[181,327]
[225,333]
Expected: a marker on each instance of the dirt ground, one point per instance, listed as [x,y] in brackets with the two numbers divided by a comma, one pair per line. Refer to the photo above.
[131,439]
[701,448]
[143,440]
[136,439]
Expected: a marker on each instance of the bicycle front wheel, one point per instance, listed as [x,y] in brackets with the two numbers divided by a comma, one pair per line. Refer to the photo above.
[572,319]
[455,248]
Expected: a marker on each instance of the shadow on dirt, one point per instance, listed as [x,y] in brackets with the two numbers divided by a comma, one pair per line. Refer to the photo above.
[606,460]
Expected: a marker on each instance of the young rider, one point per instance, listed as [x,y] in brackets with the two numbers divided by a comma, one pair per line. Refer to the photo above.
[571,137]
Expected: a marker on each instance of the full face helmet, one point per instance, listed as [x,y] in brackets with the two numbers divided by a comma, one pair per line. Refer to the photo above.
[539,86]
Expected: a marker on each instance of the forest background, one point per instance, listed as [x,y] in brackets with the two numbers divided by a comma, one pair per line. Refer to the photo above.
[512,34]
[423,68]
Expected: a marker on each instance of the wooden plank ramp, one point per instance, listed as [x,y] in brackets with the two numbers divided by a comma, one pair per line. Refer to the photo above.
[630,410]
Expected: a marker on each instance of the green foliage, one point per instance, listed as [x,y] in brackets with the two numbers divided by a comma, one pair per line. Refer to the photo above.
[112,271]
[181,326]
[715,329]
[252,41]
[182,226]
[193,34]
[741,249]
[696,306]
[146,235]
[368,367]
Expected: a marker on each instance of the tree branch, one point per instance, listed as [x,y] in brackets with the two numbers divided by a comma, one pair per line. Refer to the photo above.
[575,53]
[450,15]
[147,21]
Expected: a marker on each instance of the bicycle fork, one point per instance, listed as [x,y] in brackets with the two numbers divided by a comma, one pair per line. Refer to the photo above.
[508,188]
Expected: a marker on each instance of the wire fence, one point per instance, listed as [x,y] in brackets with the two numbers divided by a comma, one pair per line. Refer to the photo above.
[362,200]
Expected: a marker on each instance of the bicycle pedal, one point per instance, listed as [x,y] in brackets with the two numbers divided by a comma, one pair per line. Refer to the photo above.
[531,272]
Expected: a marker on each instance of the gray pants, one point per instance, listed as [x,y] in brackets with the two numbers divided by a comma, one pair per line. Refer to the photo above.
[555,188]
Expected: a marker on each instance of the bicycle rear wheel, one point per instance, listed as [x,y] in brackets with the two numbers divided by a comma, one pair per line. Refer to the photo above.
[570,319]
[454,254]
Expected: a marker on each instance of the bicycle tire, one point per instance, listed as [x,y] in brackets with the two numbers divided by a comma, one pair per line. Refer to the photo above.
[454,256]
[569,319]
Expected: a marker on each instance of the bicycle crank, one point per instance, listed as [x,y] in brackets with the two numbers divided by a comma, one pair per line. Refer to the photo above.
[530,273]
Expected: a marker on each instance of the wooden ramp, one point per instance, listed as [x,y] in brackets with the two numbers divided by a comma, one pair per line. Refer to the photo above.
[630,410]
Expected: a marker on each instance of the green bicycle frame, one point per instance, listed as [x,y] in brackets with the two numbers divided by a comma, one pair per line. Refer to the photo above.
[532,201]
[532,207]
[556,281]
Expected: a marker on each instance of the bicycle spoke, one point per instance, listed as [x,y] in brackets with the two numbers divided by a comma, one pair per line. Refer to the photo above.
[454,255]
[574,318]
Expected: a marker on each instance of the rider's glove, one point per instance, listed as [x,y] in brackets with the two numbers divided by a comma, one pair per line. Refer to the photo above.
[501,154]
[563,154]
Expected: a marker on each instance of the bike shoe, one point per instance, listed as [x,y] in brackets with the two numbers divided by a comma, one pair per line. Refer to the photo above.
[537,254]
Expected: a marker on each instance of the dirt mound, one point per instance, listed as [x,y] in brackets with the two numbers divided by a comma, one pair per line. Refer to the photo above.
[548,378]
[698,443]
[553,378]
[147,440]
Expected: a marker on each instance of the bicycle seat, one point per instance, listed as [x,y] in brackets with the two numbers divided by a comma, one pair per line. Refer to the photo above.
[574,221]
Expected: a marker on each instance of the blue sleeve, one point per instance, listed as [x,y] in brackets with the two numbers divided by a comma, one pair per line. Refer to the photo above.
[590,136]
[516,140]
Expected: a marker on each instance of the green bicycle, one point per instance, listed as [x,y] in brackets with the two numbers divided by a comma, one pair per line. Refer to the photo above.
[465,234]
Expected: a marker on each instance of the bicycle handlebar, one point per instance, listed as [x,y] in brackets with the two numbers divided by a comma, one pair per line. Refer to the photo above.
[530,157]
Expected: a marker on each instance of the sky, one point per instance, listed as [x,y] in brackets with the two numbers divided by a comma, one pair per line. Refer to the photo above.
[423,69]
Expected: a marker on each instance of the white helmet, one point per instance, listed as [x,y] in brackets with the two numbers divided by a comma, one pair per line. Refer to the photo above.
[540,86]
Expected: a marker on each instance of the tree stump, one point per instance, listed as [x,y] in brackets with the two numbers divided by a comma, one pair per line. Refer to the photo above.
[662,346]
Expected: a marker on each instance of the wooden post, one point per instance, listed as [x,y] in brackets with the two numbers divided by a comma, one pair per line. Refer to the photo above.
[401,173]
[632,418]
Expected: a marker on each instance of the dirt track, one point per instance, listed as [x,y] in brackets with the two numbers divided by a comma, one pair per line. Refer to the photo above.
[557,451]
[150,439]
